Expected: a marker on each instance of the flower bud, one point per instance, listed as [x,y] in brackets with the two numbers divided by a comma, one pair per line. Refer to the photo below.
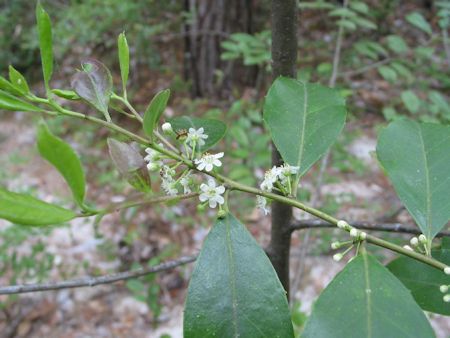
[167,128]
[446,298]
[343,225]
[443,288]
[362,235]
[354,232]
[447,270]
[337,257]
[201,207]
[153,166]
[414,241]
[422,239]
[407,247]
[221,214]
[335,245]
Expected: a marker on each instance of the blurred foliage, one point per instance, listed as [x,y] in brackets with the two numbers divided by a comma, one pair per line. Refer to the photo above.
[85,28]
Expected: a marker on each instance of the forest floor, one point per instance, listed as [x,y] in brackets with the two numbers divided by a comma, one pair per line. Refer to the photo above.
[112,310]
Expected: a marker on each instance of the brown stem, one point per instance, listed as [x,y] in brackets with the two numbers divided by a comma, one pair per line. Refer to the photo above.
[284,57]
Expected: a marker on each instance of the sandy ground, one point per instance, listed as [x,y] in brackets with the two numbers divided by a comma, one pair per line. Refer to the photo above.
[111,311]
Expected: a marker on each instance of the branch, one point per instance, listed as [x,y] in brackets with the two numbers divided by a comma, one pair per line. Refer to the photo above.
[93,281]
[385,227]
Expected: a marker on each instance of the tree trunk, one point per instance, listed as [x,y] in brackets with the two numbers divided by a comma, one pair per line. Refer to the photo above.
[284,57]
[211,22]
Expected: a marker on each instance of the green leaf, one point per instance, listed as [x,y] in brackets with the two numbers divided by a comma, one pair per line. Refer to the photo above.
[346,24]
[411,101]
[359,6]
[417,20]
[94,85]
[45,43]
[416,157]
[424,281]
[12,103]
[215,129]
[364,23]
[66,94]
[130,164]
[154,111]
[304,120]
[366,300]
[18,80]
[234,290]
[124,60]
[27,210]
[402,71]
[397,44]
[7,86]
[64,159]
[388,73]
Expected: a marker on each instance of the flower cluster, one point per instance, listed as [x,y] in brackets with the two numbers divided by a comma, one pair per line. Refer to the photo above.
[419,244]
[210,192]
[277,178]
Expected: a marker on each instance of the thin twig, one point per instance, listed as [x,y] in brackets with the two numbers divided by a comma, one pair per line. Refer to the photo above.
[384,227]
[365,68]
[93,281]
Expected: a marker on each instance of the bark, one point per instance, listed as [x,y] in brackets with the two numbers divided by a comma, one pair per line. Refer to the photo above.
[284,57]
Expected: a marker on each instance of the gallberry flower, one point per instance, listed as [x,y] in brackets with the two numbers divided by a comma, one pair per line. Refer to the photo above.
[169,186]
[208,161]
[153,159]
[270,177]
[261,203]
[212,193]
[196,137]
[285,172]
[167,128]
[185,183]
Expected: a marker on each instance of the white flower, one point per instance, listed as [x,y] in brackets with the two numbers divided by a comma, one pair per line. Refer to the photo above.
[153,159]
[261,203]
[185,182]
[354,232]
[167,128]
[447,270]
[169,186]
[270,177]
[422,239]
[414,241]
[167,172]
[196,136]
[443,288]
[337,257]
[212,193]
[207,162]
[285,172]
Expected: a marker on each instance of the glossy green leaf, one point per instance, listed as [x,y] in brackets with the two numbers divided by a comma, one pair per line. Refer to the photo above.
[66,94]
[215,129]
[124,60]
[366,300]
[154,111]
[26,210]
[416,157]
[130,164]
[411,101]
[7,86]
[63,158]
[45,43]
[12,103]
[94,85]
[304,120]
[416,19]
[18,80]
[234,290]
[423,280]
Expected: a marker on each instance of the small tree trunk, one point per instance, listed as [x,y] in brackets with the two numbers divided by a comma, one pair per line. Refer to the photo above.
[284,57]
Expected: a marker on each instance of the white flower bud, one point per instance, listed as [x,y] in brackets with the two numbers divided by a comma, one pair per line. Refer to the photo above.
[407,247]
[335,245]
[343,224]
[354,232]
[167,128]
[153,166]
[414,241]
[447,270]
[422,239]
[337,257]
[443,288]
[447,298]
[362,235]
